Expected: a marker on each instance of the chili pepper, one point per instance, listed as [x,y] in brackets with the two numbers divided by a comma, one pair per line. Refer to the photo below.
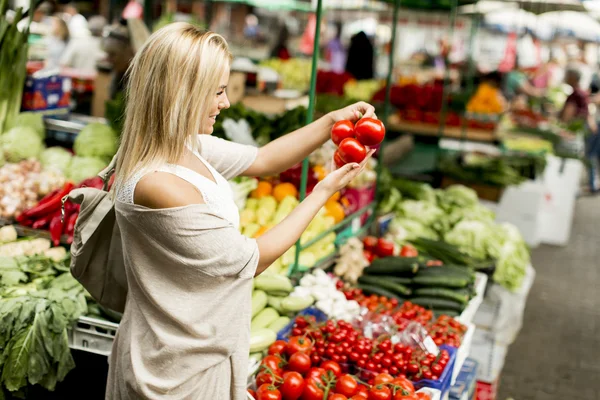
[56,228]
[95,182]
[49,206]
[44,221]
[70,225]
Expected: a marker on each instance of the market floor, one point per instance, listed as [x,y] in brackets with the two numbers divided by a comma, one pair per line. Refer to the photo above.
[556,355]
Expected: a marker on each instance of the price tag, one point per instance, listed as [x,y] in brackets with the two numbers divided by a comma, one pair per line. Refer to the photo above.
[430,346]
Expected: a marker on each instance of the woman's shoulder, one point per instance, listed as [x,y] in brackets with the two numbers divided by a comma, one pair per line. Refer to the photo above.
[158,190]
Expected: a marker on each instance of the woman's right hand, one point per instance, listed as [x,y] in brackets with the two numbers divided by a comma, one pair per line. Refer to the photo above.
[341,177]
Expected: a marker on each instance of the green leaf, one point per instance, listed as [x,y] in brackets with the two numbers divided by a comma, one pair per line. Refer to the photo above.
[12,277]
[39,362]
[15,368]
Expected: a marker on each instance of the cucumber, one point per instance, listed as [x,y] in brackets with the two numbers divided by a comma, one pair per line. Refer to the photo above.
[261,339]
[275,302]
[291,303]
[450,313]
[435,303]
[460,295]
[448,270]
[273,283]
[372,289]
[385,283]
[279,324]
[441,280]
[264,319]
[395,266]
[259,301]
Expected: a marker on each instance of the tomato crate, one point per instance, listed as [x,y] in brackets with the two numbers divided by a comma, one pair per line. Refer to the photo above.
[319,315]
[93,335]
[445,382]
[463,351]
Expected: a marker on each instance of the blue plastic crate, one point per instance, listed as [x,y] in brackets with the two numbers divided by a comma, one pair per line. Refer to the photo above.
[442,384]
[319,315]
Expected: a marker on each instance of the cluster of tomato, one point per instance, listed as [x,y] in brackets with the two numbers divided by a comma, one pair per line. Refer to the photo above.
[377,248]
[445,330]
[298,370]
[379,304]
[352,140]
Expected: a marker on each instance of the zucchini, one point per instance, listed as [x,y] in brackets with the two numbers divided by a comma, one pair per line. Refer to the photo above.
[259,301]
[275,302]
[450,313]
[273,283]
[296,303]
[279,324]
[261,339]
[449,270]
[441,280]
[437,303]
[385,283]
[460,295]
[264,319]
[372,289]
[395,266]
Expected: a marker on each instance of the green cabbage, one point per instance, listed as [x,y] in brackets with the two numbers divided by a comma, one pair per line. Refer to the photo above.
[84,167]
[474,238]
[421,211]
[403,229]
[21,143]
[33,121]
[56,158]
[96,140]
[457,196]
[476,212]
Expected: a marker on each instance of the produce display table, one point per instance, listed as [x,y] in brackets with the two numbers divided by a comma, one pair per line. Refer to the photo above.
[480,135]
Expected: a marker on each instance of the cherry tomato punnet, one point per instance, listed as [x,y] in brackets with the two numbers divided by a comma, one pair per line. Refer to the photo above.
[342,130]
[369,131]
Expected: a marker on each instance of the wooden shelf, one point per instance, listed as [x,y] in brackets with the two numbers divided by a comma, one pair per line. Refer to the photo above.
[480,135]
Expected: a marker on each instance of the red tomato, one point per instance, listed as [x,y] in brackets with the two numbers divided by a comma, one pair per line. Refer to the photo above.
[383,378]
[299,362]
[275,363]
[437,369]
[337,396]
[346,385]
[408,251]
[293,385]
[362,391]
[342,130]
[268,392]
[380,392]
[266,378]
[298,343]
[385,248]
[368,255]
[405,384]
[337,159]
[400,396]
[277,348]
[423,396]
[352,151]
[312,392]
[358,397]
[252,393]
[370,243]
[369,131]
[316,374]
[332,366]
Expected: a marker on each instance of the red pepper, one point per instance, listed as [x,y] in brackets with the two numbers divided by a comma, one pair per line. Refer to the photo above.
[56,228]
[95,182]
[49,206]
[70,225]
[44,221]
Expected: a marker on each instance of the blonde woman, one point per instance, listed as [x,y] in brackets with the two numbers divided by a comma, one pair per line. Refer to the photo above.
[186,326]
[56,41]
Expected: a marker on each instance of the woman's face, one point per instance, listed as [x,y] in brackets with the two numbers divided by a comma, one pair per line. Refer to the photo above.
[218,102]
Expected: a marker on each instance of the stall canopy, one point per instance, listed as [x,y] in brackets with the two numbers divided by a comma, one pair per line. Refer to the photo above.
[570,24]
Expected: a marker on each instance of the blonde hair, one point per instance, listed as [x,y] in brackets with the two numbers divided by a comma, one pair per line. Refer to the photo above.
[170,81]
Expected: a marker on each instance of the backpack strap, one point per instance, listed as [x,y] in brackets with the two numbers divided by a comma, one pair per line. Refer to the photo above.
[108,172]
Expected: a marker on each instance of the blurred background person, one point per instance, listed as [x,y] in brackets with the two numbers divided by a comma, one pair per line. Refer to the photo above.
[280,50]
[78,25]
[360,63]
[133,9]
[56,42]
[84,52]
[336,53]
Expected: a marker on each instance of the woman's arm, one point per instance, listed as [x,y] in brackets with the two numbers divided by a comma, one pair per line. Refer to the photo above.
[568,112]
[290,149]
[282,236]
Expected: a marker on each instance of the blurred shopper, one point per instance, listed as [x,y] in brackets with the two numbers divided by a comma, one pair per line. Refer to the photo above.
[84,52]
[336,54]
[41,23]
[56,42]
[78,25]
[280,50]
[360,57]
[577,109]
[133,9]
[516,83]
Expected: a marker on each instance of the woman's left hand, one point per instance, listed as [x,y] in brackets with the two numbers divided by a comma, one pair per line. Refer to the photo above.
[354,112]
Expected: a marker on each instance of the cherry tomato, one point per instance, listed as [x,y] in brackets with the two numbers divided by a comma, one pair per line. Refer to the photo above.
[383,378]
[370,243]
[252,393]
[358,397]
[405,384]
[341,130]
[263,378]
[423,396]
[275,363]
[346,385]
[277,348]
[332,366]
[380,392]
[316,374]
[352,151]
[338,160]
[298,343]
[299,362]
[369,131]
[293,385]
[369,256]
[434,263]
[408,251]
[385,248]
[268,392]
[412,368]
[437,369]
[363,391]
[312,392]
[400,396]
[426,374]
[337,396]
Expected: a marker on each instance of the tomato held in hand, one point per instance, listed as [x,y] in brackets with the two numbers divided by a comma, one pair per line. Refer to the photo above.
[299,362]
[337,159]
[268,392]
[342,130]
[352,151]
[293,385]
[333,367]
[369,131]
[277,348]
[346,385]
[298,343]
[385,248]
[380,392]
[408,251]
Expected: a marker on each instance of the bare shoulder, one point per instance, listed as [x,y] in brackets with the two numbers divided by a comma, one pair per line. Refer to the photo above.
[163,190]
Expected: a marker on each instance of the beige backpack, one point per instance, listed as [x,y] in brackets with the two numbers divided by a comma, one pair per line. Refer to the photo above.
[97,253]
